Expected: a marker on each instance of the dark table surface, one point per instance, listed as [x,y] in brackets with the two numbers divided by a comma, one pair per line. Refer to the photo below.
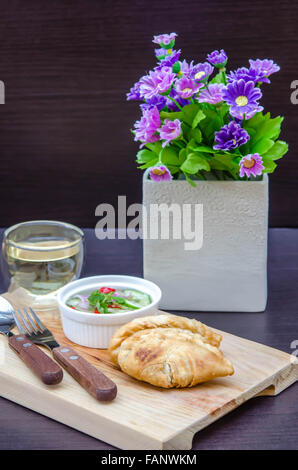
[261,423]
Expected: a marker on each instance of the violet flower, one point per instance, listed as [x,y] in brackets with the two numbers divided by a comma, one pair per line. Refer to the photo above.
[230,136]
[170,130]
[159,101]
[186,87]
[242,97]
[218,58]
[213,94]
[265,68]
[172,105]
[134,93]
[147,126]
[201,72]
[165,40]
[251,164]
[161,53]
[251,113]
[160,173]
[186,68]
[169,60]
[156,82]
[253,75]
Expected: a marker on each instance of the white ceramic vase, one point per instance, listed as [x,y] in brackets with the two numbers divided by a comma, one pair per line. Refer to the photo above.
[229,271]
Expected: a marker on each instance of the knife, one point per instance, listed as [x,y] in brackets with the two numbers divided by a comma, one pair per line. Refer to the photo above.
[89,377]
[40,363]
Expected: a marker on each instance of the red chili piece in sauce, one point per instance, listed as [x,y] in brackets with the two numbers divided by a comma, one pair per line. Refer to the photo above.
[106,290]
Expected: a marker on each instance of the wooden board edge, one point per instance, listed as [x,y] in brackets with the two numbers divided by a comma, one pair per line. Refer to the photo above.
[284,379]
[53,407]
[272,386]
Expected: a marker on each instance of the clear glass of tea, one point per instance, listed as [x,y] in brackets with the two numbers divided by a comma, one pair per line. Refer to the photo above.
[41,256]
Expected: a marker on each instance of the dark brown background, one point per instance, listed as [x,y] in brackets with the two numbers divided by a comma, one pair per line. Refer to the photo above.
[64,130]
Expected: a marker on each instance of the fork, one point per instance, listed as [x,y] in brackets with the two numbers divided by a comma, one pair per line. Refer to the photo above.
[89,377]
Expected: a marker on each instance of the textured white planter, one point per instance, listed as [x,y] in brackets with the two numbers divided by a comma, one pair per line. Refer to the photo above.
[229,272]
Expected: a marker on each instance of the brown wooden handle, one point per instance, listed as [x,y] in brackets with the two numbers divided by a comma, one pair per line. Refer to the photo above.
[37,360]
[95,382]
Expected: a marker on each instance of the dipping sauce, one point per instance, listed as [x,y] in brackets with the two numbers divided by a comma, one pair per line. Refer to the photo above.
[107,300]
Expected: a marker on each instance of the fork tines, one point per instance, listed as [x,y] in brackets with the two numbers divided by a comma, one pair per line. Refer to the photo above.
[27,323]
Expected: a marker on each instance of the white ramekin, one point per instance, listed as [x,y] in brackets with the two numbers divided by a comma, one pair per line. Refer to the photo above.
[95,331]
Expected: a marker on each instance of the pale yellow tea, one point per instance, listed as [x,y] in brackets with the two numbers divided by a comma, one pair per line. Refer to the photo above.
[44,260]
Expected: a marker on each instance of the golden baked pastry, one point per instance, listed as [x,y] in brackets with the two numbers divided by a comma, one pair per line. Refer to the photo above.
[168,356]
[161,321]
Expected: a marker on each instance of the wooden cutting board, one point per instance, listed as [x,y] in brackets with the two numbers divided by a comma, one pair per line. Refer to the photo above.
[143,416]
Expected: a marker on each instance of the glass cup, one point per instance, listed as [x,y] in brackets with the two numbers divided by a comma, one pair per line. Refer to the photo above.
[39,257]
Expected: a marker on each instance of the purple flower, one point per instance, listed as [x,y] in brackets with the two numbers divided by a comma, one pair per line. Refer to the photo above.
[161,53]
[258,72]
[230,136]
[213,94]
[158,100]
[248,75]
[134,93]
[251,164]
[170,130]
[242,97]
[165,40]
[185,68]
[186,87]
[160,173]
[201,72]
[264,68]
[251,113]
[169,60]
[157,82]
[171,105]
[145,129]
[218,58]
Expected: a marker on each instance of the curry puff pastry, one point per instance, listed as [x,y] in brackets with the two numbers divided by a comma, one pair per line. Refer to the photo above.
[169,351]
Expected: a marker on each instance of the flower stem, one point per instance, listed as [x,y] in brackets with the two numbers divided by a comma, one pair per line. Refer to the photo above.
[179,144]
[177,104]
[223,71]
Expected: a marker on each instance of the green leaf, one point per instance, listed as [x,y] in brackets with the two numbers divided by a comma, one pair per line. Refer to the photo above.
[269,165]
[204,148]
[251,131]
[149,164]
[198,117]
[210,125]
[262,146]
[172,116]
[95,297]
[144,156]
[268,129]
[173,169]
[195,163]
[155,147]
[278,150]
[191,143]
[224,162]
[213,126]
[190,181]
[189,113]
[256,120]
[169,156]
[219,78]
[196,134]
[182,156]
